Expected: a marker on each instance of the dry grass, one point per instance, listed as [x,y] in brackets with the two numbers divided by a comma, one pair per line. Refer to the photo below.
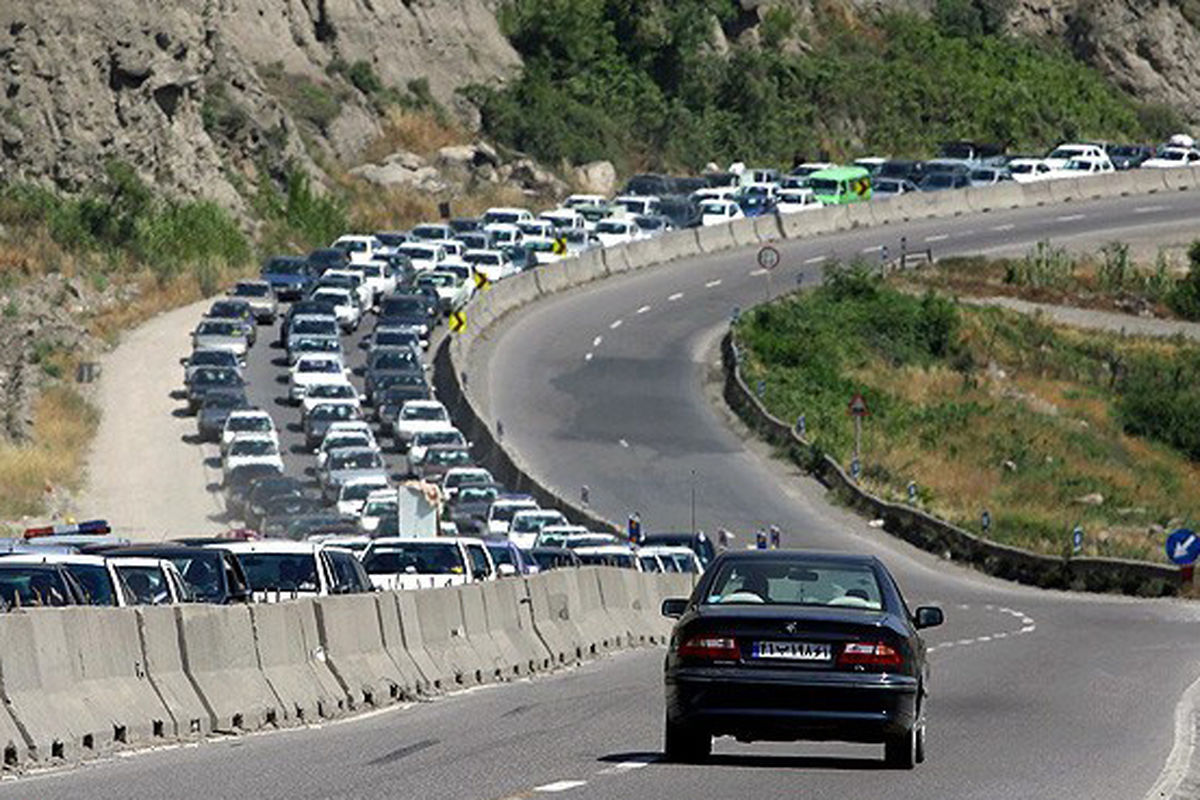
[64,424]
[373,208]
[420,132]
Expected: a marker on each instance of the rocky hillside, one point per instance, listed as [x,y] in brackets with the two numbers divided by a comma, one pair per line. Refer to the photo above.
[198,95]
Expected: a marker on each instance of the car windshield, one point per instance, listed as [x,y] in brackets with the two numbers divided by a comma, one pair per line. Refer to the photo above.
[337,297]
[416,252]
[327,327]
[501,554]
[823,185]
[405,305]
[251,290]
[351,246]
[254,423]
[423,413]
[505,511]
[983,175]
[319,365]
[487,259]
[211,328]
[227,309]
[317,345]
[359,491]
[402,338]
[471,494]
[436,279]
[531,523]
[429,232]
[448,456]
[95,581]
[253,447]
[1020,169]
[542,246]
[1067,152]
[423,558]
[332,443]
[1173,155]
[216,400]
[338,391]
[611,227]
[608,559]
[285,572]
[334,411]
[712,208]
[438,437]
[203,574]
[394,359]
[359,460]
[283,266]
[148,584]
[796,582]
[505,217]
[213,358]
[377,508]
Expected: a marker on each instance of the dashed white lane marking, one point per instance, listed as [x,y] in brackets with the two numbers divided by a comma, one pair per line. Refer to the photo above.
[965,641]
[937,237]
[1148,209]
[1070,217]
[559,786]
[1004,227]
[616,323]
[623,443]
[643,309]
[587,356]
[711,284]
[627,766]
[815,259]
[874,249]
[596,342]
[674,297]
[1029,627]
[759,271]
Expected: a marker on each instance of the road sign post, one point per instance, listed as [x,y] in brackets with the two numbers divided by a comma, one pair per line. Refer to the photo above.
[858,409]
[912,492]
[985,520]
[1077,540]
[768,259]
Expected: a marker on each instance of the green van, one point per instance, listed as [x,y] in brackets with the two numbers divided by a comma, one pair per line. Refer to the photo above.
[841,185]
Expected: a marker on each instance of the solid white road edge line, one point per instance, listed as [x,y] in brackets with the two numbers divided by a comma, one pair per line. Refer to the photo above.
[1179,761]
[559,786]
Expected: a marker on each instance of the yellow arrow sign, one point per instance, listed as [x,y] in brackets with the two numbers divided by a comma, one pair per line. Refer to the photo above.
[458,321]
[481,282]
[560,246]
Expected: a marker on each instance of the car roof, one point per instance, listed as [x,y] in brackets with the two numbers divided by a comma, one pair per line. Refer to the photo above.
[605,550]
[137,561]
[268,546]
[855,559]
[51,557]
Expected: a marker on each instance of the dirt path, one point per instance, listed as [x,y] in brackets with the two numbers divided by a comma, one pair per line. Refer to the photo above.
[144,475]
[1095,320]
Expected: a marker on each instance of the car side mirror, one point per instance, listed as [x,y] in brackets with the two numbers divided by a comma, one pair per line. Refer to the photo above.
[674,607]
[928,617]
[506,570]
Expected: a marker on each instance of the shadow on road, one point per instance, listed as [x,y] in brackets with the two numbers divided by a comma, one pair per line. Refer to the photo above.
[183,412]
[192,438]
[753,761]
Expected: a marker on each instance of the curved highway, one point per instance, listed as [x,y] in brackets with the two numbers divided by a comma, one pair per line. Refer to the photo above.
[1035,694]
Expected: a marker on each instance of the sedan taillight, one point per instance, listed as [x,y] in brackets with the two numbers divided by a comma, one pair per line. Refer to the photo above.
[870,654]
[710,648]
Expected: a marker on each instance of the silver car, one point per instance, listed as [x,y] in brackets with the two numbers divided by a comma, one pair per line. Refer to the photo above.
[354,462]
[259,296]
[211,334]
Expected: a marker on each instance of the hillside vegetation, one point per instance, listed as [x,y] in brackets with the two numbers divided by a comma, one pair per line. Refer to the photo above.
[1045,427]
[654,84]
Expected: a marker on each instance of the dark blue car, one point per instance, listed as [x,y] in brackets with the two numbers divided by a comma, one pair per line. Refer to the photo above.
[289,276]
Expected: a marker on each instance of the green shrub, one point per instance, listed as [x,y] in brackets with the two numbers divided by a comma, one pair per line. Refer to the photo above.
[300,216]
[1185,296]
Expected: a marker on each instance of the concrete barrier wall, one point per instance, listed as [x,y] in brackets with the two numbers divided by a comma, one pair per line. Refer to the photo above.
[352,638]
[220,658]
[294,662]
[159,631]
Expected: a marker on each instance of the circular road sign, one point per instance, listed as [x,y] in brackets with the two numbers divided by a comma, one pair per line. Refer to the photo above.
[768,257]
[1183,547]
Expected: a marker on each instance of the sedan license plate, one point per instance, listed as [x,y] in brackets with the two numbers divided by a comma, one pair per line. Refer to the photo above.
[793,651]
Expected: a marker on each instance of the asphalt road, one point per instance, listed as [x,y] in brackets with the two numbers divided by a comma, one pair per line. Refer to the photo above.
[1035,694]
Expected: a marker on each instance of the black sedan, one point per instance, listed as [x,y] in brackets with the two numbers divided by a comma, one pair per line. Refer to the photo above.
[790,645]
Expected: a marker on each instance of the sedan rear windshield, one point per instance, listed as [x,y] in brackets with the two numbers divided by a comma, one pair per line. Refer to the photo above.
[796,582]
[423,558]
[287,572]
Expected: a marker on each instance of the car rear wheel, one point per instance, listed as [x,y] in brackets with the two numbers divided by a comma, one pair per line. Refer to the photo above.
[900,752]
[686,746]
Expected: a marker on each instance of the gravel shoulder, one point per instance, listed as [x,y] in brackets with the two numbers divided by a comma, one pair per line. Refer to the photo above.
[143,472]
[1095,320]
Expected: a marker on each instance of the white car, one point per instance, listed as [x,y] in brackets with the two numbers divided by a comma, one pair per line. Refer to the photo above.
[537,228]
[279,569]
[612,232]
[564,219]
[506,216]
[1172,158]
[352,494]
[252,448]
[96,574]
[152,581]
[576,200]
[422,440]
[501,512]
[1061,155]
[1030,170]
[379,504]
[419,415]
[334,392]
[342,440]
[542,250]
[453,289]
[504,235]
[379,277]
[715,212]
[1086,165]
[460,476]
[422,255]
[358,248]
[638,205]
[557,535]
[454,249]
[675,558]
[362,290]
[311,369]
[249,421]
[345,306]
[432,232]
[494,265]
[612,555]
[400,563]
[526,525]
[714,193]
[790,201]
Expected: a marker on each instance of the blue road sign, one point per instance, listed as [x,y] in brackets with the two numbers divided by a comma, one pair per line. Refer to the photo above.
[855,468]
[985,521]
[1183,547]
[912,491]
[1077,539]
